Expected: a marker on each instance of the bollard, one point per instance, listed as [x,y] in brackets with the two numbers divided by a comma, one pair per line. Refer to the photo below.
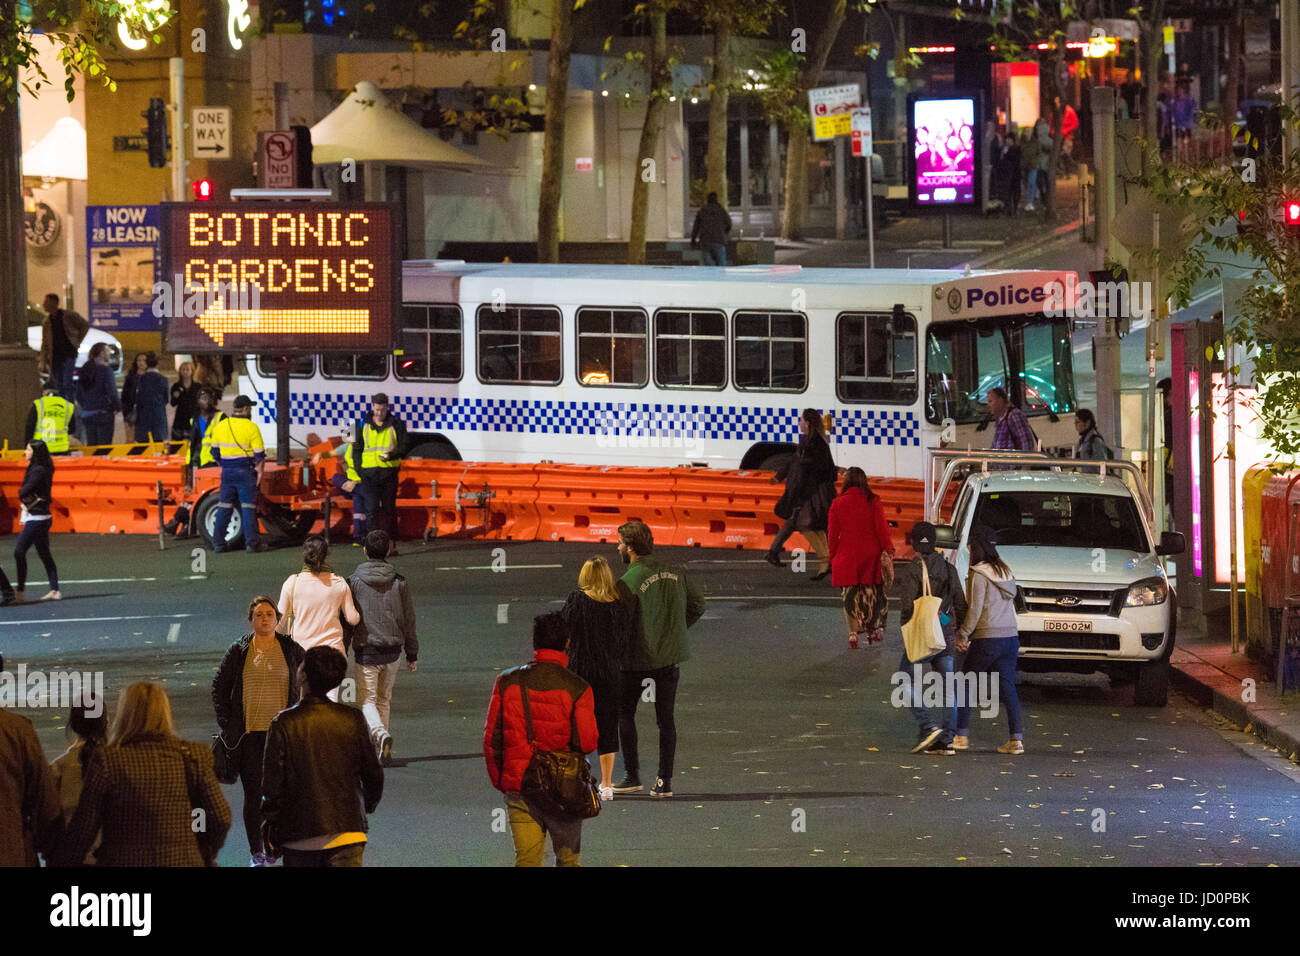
[162,541]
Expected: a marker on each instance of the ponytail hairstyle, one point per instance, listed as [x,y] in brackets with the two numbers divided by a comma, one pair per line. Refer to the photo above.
[983,550]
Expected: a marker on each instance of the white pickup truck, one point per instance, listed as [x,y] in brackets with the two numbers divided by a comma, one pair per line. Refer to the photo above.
[1078,536]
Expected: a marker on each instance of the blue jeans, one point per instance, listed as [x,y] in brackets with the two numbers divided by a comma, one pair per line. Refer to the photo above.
[62,375]
[942,665]
[995,655]
[99,427]
[1032,192]
[715,253]
[238,486]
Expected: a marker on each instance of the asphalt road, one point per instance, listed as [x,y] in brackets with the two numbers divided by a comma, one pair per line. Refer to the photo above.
[789,750]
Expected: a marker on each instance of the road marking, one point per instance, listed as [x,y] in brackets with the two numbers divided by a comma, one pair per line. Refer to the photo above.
[188,577]
[174,633]
[513,567]
[81,620]
[502,611]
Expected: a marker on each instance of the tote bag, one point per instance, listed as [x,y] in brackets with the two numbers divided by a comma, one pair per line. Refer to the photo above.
[923,634]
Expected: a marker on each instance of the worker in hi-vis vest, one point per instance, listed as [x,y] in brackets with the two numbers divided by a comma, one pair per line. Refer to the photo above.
[198,449]
[377,451]
[50,419]
[237,445]
[349,482]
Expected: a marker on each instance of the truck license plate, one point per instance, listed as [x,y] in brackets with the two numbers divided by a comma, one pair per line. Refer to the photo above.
[1075,627]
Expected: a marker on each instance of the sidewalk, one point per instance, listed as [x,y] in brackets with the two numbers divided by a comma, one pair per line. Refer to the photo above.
[1206,670]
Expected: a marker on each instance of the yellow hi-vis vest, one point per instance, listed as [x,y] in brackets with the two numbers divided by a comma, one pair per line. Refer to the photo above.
[205,445]
[376,442]
[53,414]
[236,438]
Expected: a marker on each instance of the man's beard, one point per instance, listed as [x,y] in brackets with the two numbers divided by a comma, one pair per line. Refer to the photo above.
[627,558]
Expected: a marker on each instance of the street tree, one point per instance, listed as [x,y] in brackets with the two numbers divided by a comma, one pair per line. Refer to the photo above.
[658,73]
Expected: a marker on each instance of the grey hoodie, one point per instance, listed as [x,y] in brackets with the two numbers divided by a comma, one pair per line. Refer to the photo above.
[992,611]
[387,616]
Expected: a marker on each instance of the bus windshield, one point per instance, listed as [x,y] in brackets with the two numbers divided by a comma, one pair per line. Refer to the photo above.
[1028,356]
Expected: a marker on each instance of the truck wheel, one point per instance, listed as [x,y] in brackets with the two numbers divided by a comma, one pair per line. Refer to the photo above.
[1152,687]
[206,520]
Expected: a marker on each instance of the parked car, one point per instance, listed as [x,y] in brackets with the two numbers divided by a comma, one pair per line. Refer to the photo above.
[93,336]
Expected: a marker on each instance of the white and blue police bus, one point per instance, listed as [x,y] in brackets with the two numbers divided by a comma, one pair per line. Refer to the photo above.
[667,365]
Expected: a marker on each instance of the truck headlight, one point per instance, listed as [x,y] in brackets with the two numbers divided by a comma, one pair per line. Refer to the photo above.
[1147,592]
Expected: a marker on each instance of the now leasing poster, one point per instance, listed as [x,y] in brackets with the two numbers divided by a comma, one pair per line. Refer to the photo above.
[122,249]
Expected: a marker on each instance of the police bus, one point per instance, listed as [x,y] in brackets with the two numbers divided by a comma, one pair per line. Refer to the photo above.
[668,365]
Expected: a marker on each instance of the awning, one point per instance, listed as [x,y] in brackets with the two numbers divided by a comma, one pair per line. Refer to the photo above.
[365,127]
[61,154]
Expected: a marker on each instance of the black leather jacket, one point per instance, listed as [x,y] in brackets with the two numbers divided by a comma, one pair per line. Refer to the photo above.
[321,773]
[228,685]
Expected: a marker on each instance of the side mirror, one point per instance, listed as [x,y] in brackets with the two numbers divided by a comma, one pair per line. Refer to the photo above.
[945,538]
[1171,543]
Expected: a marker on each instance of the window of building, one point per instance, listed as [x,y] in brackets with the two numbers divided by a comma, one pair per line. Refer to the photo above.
[876,358]
[690,349]
[519,344]
[361,365]
[770,351]
[429,341]
[613,347]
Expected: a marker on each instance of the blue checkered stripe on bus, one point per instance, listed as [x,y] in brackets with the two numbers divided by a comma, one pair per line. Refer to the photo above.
[855,426]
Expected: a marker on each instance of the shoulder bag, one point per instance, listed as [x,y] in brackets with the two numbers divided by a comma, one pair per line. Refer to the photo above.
[287,623]
[923,633]
[225,759]
[558,781]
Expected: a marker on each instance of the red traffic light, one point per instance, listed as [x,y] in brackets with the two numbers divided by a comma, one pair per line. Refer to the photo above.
[1291,213]
[202,189]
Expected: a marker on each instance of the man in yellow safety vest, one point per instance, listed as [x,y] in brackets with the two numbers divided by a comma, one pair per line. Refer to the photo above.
[376,456]
[237,445]
[198,449]
[50,419]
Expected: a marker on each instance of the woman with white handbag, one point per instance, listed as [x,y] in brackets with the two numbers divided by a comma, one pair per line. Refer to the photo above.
[931,600]
[315,603]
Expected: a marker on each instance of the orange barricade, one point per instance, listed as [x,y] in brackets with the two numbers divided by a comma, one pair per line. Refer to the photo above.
[99,495]
[589,502]
[510,513]
[726,509]
[904,501]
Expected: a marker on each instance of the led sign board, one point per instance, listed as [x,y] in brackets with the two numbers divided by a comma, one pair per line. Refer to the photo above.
[945,137]
[279,278]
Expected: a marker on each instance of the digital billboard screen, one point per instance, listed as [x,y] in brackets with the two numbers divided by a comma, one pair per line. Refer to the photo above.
[279,278]
[945,137]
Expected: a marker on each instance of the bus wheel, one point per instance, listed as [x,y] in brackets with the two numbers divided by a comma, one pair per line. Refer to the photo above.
[206,520]
[435,451]
[775,462]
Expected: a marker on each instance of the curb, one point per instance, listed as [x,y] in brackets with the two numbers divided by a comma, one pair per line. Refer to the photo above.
[1212,688]
[1035,244]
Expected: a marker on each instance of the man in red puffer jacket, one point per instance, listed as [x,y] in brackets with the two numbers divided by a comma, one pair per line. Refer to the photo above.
[564,718]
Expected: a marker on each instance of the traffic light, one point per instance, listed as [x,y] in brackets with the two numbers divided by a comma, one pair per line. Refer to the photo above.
[156,134]
[1291,214]
[202,189]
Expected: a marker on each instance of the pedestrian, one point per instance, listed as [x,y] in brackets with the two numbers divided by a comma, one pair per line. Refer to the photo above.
[313,600]
[1165,385]
[377,451]
[1045,142]
[185,399]
[97,397]
[237,444]
[139,365]
[1011,429]
[198,449]
[664,602]
[991,637]
[30,820]
[387,627]
[862,552]
[559,706]
[62,333]
[151,398]
[1090,445]
[87,730]
[709,233]
[945,584]
[1029,154]
[1014,176]
[257,679]
[809,478]
[321,776]
[144,790]
[600,634]
[34,495]
[50,419]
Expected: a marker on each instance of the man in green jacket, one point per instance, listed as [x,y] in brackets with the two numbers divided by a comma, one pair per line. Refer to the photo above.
[664,603]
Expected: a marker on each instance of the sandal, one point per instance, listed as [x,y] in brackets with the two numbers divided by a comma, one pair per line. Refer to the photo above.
[853,641]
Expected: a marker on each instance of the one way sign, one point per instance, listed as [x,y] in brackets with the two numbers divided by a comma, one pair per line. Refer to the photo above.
[211,128]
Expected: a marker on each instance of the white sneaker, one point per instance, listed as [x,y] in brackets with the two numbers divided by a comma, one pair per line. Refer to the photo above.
[606,794]
[53,596]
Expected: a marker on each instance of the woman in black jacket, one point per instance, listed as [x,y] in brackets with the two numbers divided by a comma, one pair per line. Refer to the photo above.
[600,634]
[35,498]
[185,399]
[257,679]
[809,489]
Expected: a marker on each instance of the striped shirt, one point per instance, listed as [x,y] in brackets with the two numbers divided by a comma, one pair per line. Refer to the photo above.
[266,684]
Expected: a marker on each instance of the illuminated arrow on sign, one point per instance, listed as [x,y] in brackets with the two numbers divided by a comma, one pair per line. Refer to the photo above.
[218,322]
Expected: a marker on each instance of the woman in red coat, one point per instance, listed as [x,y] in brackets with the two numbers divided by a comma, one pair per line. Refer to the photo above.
[861,556]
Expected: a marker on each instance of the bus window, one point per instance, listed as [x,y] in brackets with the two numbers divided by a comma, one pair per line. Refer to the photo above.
[613,347]
[963,361]
[1047,376]
[875,358]
[690,349]
[361,365]
[300,366]
[429,344]
[519,345]
[770,352]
